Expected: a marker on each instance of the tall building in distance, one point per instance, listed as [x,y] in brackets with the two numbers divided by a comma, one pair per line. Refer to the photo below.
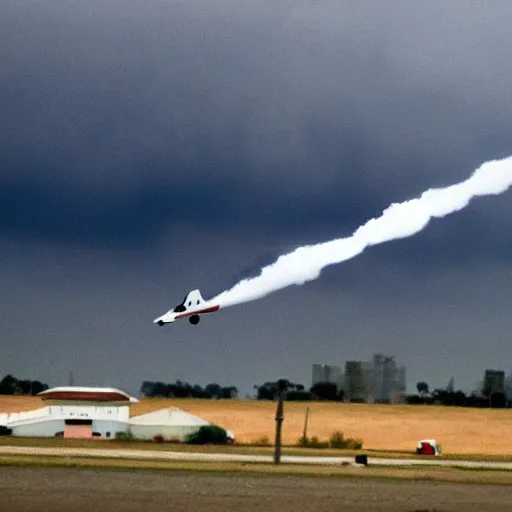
[387,380]
[401,384]
[494,382]
[327,373]
[380,380]
[357,381]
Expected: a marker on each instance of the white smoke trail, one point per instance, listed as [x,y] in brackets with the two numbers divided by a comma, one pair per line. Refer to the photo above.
[397,221]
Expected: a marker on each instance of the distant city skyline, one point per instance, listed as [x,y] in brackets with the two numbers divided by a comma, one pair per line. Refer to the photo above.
[379,380]
[493,380]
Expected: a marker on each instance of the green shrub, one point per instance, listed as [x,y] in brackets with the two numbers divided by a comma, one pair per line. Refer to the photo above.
[338,441]
[125,436]
[354,444]
[208,434]
[4,431]
[314,442]
[303,442]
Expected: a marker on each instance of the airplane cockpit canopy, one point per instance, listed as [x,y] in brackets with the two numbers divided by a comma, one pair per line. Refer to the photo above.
[181,307]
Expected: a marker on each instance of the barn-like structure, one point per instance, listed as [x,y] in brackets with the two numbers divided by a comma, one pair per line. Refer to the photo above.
[90,412]
[74,412]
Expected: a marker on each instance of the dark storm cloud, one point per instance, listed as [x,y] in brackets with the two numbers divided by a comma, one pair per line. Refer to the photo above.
[44,209]
[145,146]
[125,116]
[298,96]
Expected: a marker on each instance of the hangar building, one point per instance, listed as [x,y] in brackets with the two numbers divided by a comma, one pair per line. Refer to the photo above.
[74,412]
[86,412]
[170,423]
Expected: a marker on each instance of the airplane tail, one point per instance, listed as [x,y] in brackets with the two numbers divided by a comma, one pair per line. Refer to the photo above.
[193,299]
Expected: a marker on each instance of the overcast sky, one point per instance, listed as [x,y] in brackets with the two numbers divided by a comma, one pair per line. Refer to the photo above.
[151,147]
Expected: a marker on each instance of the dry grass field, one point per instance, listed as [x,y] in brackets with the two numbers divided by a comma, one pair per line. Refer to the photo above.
[382,427]
[9,403]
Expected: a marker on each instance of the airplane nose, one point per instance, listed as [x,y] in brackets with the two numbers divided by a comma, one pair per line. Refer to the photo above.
[160,323]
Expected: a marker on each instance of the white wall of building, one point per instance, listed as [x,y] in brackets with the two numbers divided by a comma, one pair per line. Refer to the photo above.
[107,420]
[44,428]
[170,423]
[47,421]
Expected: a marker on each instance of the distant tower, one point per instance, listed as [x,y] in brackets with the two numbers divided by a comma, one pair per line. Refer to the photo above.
[401,384]
[494,382]
[71,382]
[384,379]
[357,381]
[326,373]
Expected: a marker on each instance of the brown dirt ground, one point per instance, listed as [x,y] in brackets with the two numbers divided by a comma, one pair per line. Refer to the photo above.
[55,490]
[382,427]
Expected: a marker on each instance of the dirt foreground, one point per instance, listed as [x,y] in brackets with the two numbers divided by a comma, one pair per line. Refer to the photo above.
[55,490]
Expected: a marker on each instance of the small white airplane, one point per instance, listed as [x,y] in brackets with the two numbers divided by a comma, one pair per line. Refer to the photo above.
[192,306]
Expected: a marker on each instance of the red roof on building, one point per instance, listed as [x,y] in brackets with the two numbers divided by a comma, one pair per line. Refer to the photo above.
[77,393]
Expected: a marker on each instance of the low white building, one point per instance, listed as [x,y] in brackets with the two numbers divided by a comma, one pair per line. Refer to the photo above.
[76,412]
[171,424]
[85,413]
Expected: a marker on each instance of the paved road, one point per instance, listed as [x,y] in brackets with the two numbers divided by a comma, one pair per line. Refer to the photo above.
[235,457]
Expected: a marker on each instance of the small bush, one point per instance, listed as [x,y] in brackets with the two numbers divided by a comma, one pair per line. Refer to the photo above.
[354,444]
[4,431]
[158,438]
[125,436]
[261,441]
[208,434]
[338,441]
[303,442]
[314,442]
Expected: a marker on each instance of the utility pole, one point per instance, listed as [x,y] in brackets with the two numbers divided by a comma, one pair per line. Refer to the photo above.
[281,387]
[305,434]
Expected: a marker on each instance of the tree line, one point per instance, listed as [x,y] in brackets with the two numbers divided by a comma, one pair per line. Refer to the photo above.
[449,396]
[10,385]
[330,392]
[181,389]
[297,392]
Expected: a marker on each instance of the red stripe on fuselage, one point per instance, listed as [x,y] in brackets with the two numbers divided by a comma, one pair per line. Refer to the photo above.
[211,309]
